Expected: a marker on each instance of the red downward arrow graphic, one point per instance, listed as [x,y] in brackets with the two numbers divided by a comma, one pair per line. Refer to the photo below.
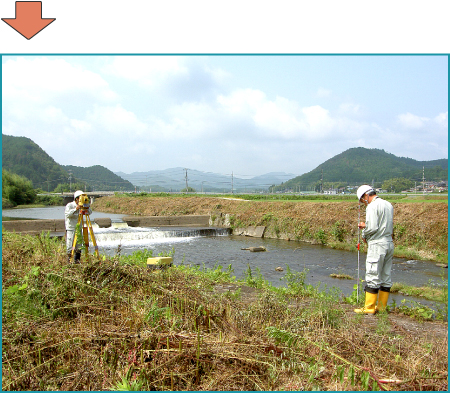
[28,21]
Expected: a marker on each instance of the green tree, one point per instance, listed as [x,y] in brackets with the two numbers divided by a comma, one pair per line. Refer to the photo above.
[17,189]
[397,184]
[66,187]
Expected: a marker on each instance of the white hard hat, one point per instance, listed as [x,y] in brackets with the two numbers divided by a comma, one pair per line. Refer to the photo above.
[362,190]
[77,194]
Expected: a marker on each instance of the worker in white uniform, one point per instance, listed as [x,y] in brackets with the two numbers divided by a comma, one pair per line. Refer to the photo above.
[377,232]
[71,219]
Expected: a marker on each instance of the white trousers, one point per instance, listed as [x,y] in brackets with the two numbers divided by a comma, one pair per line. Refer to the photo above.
[69,241]
[379,265]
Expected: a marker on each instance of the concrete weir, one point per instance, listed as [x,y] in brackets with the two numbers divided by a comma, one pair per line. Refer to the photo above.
[57,227]
[54,227]
[164,221]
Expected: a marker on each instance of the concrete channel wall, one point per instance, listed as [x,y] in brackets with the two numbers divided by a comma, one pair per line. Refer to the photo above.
[34,226]
[162,221]
[57,226]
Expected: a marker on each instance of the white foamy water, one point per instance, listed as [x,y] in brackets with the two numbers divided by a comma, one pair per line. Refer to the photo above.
[128,237]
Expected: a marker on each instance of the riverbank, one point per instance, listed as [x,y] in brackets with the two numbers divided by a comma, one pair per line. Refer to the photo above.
[420,228]
[116,325]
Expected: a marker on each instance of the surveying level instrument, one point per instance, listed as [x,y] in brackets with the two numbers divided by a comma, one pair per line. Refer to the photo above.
[84,223]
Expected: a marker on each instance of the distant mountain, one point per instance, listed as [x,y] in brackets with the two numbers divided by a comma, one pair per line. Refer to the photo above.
[99,178]
[354,166]
[176,179]
[360,165]
[20,155]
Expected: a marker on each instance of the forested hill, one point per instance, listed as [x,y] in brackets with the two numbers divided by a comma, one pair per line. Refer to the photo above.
[20,155]
[362,165]
[100,178]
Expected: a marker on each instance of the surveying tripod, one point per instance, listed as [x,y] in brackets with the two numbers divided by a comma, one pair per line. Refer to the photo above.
[84,223]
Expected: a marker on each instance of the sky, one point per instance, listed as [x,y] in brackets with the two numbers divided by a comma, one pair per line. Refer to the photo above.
[242,114]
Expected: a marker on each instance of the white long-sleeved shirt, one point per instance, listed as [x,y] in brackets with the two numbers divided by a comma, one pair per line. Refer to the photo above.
[71,215]
[379,221]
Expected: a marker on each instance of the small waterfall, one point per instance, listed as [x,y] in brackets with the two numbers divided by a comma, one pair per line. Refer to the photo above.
[129,236]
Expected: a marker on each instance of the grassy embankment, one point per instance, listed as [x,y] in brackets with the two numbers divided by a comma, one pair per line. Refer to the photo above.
[116,325]
[420,222]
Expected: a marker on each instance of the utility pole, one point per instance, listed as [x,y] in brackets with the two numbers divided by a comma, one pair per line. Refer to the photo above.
[423,180]
[321,183]
[70,180]
[186,178]
[231,181]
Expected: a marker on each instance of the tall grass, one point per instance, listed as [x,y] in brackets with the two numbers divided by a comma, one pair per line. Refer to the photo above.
[113,324]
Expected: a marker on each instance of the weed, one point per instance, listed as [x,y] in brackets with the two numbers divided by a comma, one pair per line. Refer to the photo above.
[338,231]
[295,281]
[417,310]
[321,236]
[342,276]
[255,282]
[399,231]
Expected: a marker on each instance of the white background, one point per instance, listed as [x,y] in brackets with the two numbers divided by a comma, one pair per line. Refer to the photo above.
[234,26]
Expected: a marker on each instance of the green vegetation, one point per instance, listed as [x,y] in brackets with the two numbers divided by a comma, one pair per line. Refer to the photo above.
[293,197]
[113,324]
[397,184]
[48,200]
[360,165]
[16,190]
[98,177]
[25,158]
[432,291]
[189,189]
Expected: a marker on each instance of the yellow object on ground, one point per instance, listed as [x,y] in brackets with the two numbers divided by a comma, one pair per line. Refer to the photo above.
[159,262]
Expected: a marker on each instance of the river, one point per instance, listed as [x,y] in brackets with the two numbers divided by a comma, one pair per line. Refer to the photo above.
[191,246]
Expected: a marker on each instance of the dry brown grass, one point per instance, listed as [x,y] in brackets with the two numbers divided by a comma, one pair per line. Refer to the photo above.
[102,325]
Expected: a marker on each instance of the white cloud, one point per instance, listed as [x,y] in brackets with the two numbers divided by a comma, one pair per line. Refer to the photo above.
[116,120]
[242,101]
[442,119]
[408,120]
[41,80]
[52,115]
[149,71]
[80,125]
[319,121]
[350,109]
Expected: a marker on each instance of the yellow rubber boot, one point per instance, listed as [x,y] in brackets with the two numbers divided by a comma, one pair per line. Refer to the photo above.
[370,304]
[382,300]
